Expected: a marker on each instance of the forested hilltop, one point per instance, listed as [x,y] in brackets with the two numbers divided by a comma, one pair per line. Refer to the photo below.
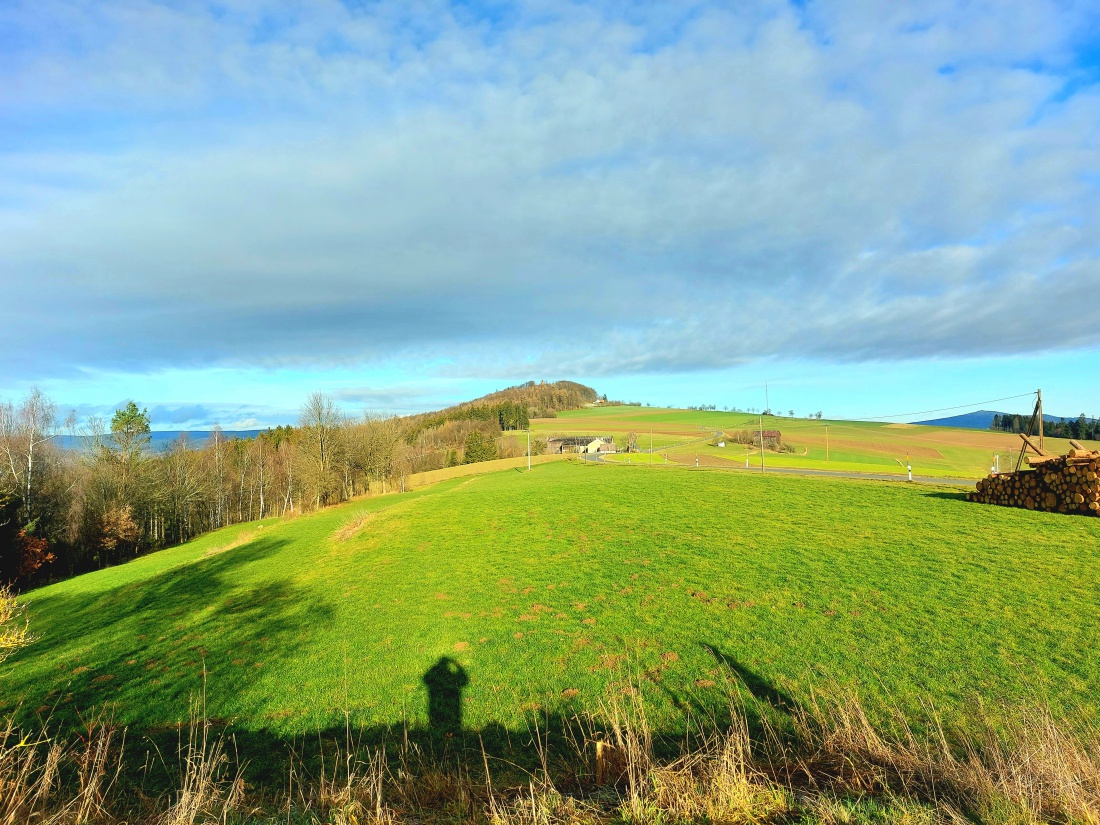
[64,512]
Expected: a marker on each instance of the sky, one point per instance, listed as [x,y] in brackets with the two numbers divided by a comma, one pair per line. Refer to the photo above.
[874,208]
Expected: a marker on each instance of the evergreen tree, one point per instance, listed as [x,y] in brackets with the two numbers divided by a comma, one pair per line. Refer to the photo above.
[479,448]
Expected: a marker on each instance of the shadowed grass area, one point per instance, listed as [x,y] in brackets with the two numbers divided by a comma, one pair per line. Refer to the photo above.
[545,587]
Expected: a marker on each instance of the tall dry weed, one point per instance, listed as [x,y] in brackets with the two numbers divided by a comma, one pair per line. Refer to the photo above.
[209,790]
[31,789]
[830,762]
[28,775]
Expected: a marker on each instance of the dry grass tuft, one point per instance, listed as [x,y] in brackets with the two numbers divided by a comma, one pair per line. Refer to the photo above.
[352,527]
[1029,769]
[207,792]
[30,776]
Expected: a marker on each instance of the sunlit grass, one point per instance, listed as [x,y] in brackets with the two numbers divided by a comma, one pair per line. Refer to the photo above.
[546,586]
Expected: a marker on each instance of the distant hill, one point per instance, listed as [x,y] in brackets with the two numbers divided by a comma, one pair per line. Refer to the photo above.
[981,420]
[540,398]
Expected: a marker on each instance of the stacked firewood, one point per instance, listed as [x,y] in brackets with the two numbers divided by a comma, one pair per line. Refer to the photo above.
[1055,483]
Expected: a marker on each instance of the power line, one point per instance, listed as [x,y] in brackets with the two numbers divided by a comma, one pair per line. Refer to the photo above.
[945,409]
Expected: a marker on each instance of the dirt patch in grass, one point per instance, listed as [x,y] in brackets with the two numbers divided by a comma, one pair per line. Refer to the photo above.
[352,527]
[608,661]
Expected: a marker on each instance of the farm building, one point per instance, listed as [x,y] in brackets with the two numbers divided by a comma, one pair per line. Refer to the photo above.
[581,444]
[773,439]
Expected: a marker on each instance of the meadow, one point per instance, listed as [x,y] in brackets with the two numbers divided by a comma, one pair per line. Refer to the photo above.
[555,588]
[846,446]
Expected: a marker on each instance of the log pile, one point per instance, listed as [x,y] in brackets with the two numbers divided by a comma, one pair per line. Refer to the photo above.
[1056,483]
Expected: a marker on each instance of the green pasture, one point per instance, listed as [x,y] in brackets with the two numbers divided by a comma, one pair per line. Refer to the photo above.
[551,588]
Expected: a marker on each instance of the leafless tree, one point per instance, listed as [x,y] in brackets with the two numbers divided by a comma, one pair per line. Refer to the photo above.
[319,422]
[24,430]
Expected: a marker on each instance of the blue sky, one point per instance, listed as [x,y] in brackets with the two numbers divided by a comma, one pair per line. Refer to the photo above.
[215,209]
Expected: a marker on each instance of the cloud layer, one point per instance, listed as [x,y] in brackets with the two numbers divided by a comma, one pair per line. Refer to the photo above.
[590,189]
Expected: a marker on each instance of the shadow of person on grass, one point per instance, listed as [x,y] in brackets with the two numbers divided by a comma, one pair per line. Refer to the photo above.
[445,681]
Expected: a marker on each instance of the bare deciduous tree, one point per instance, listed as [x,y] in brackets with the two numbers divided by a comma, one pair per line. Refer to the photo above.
[24,430]
[319,422]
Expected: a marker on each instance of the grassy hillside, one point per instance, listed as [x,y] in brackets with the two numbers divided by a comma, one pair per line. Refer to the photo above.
[547,586]
[853,446]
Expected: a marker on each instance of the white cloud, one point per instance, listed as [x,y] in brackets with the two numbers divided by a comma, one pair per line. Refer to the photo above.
[337,186]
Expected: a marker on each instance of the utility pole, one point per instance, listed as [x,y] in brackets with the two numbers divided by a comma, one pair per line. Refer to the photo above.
[528,450]
[1039,395]
[761,443]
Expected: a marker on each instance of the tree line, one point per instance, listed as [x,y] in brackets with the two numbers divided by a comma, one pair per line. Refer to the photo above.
[69,510]
[1080,428]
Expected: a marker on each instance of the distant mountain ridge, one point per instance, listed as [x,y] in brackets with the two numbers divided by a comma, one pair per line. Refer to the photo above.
[159,439]
[983,420]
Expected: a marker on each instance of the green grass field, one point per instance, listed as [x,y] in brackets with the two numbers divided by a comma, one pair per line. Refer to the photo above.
[853,446]
[549,586]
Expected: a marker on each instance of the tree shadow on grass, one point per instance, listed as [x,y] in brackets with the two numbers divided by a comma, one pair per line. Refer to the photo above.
[171,631]
[959,496]
[748,695]
[760,688]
